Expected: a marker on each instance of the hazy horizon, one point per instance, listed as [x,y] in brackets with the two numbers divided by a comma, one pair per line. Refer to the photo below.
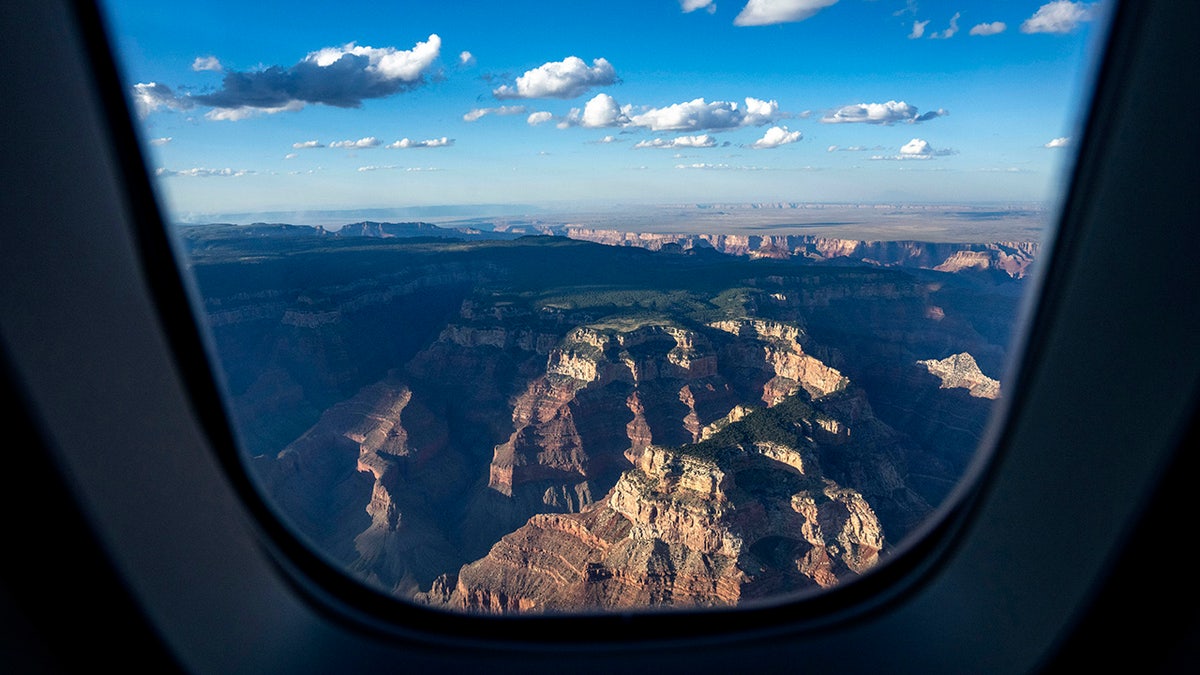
[880,221]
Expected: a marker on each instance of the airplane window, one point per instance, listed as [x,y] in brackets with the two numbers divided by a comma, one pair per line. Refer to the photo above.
[530,308]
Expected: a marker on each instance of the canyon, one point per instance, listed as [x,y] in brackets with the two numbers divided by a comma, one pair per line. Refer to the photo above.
[494,423]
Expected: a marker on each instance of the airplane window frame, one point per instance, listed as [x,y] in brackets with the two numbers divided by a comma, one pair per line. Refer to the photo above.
[130,187]
[329,583]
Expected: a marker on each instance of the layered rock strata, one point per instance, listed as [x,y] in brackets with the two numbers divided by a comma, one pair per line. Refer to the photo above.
[687,527]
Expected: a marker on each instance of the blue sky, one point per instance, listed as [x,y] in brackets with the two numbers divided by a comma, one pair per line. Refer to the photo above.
[315,105]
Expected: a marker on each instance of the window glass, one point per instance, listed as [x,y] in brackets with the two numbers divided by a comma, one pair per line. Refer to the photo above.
[576,307]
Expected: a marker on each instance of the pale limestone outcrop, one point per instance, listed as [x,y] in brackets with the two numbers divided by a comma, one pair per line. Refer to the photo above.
[960,371]
[783,351]
[737,413]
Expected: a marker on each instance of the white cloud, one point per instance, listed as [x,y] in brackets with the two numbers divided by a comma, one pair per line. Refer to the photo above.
[338,76]
[917,148]
[307,144]
[767,12]
[540,117]
[603,111]
[693,5]
[1058,143]
[291,155]
[699,115]
[951,30]
[386,63]
[246,111]
[568,78]
[851,148]
[368,142]
[405,143]
[501,110]
[718,167]
[160,141]
[918,29]
[206,63]
[777,136]
[393,167]
[1059,16]
[466,59]
[199,172]
[609,139]
[993,28]
[880,113]
[700,141]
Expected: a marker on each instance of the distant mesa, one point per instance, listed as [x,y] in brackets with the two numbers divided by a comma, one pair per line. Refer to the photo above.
[999,259]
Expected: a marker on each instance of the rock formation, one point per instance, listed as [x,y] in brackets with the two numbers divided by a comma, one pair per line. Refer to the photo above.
[707,524]
[552,425]
[959,371]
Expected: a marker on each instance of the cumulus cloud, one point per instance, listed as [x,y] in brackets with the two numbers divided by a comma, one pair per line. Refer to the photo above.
[693,5]
[880,113]
[477,113]
[918,29]
[307,144]
[199,172]
[602,111]
[696,115]
[699,115]
[918,148]
[609,139]
[160,141]
[405,143]
[568,78]
[368,142]
[206,63]
[539,117]
[291,155]
[1059,16]
[951,30]
[700,141]
[993,28]
[337,76]
[777,136]
[466,59]
[1058,143]
[768,12]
